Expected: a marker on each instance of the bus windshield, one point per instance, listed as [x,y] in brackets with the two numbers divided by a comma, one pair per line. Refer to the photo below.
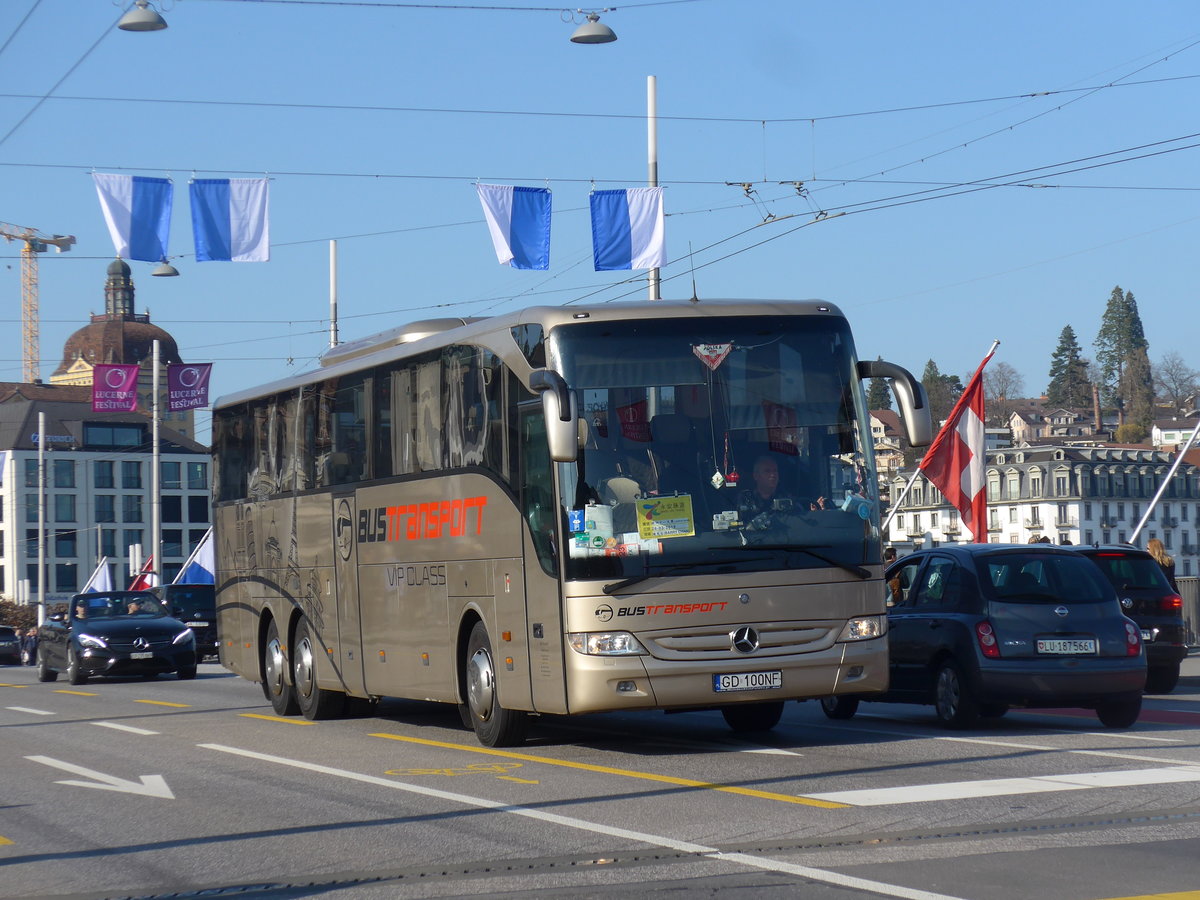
[716,444]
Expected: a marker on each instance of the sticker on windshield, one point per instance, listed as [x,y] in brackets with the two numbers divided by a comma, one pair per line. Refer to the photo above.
[665,517]
[712,355]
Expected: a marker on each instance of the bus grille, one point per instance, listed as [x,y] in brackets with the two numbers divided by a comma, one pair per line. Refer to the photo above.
[716,641]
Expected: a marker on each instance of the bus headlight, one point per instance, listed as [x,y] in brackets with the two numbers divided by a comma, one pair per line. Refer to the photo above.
[605,643]
[863,628]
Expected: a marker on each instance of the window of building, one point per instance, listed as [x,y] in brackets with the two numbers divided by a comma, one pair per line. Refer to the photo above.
[994,519]
[169,473]
[1013,486]
[64,508]
[33,577]
[1121,536]
[31,507]
[31,542]
[197,509]
[131,508]
[197,476]
[1012,515]
[172,542]
[1120,511]
[102,473]
[113,437]
[195,536]
[1087,510]
[66,544]
[31,473]
[131,474]
[1088,538]
[132,538]
[64,473]
[1061,483]
[172,508]
[105,508]
[1167,539]
[1035,484]
[66,577]
[108,542]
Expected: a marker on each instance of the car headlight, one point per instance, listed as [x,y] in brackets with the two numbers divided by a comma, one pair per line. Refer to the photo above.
[605,643]
[863,628]
[91,642]
[184,637]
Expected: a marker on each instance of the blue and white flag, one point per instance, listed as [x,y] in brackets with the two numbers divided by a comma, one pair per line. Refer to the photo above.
[201,566]
[229,219]
[101,579]
[519,221]
[627,229]
[138,212]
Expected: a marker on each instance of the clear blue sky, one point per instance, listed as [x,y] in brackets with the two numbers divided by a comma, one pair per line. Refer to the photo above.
[750,91]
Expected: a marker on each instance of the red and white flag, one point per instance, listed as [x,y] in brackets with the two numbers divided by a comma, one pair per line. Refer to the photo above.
[955,460]
[146,579]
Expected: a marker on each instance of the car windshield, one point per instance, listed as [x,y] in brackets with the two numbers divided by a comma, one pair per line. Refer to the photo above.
[111,606]
[1043,578]
[1128,571]
[720,443]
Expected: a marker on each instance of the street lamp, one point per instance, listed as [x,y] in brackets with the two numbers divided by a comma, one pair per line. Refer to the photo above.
[593,31]
[142,17]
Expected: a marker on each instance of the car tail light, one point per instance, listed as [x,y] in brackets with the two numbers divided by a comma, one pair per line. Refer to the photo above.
[1133,640]
[1171,603]
[987,639]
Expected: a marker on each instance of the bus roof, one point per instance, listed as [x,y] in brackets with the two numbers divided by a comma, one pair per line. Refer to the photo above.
[426,334]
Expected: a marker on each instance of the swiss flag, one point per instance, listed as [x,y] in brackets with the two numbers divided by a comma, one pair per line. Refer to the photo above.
[146,579]
[955,459]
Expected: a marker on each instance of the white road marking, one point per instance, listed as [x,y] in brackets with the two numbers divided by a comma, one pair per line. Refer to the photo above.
[119,727]
[147,785]
[999,787]
[32,712]
[1133,737]
[756,862]
[776,751]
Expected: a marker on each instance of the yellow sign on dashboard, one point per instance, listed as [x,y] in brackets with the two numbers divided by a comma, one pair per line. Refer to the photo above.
[665,517]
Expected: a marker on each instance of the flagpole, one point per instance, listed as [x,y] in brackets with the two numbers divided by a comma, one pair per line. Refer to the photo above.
[155,491]
[652,154]
[1163,487]
[41,553]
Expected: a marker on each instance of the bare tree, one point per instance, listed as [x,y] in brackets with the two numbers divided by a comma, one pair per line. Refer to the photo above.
[1175,382]
[1002,384]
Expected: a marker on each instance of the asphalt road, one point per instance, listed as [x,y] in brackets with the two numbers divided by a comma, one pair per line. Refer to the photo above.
[131,788]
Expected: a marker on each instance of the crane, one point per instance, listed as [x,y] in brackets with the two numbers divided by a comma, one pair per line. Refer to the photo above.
[33,244]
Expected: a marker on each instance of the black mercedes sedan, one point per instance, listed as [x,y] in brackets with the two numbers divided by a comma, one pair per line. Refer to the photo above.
[114,633]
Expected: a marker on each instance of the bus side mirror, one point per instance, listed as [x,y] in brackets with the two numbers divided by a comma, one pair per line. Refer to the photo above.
[558,406]
[910,395]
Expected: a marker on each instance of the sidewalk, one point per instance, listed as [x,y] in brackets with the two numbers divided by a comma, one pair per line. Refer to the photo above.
[1189,673]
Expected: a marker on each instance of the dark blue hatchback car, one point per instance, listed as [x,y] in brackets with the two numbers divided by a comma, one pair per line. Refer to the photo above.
[976,628]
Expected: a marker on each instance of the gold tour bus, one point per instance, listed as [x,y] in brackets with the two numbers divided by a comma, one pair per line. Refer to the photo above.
[561,510]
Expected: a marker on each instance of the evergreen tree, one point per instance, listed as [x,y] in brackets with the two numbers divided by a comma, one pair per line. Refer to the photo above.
[879,395]
[1069,384]
[1119,341]
[943,391]
[1137,390]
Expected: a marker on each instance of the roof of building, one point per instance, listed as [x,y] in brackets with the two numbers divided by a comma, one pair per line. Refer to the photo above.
[21,391]
[64,422]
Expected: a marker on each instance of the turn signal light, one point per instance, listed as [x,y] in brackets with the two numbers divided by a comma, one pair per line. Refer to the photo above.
[1172,603]
[987,639]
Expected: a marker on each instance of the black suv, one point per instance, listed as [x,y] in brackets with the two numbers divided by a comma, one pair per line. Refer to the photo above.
[195,605]
[1147,597]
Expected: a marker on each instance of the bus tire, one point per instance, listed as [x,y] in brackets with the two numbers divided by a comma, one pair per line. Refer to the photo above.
[749,717]
[494,725]
[839,707]
[314,702]
[276,687]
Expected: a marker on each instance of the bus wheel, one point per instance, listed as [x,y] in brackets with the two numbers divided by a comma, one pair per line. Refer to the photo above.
[842,707]
[494,725]
[753,716]
[314,702]
[275,684]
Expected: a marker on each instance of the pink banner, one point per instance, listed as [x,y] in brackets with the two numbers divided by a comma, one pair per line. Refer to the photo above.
[187,385]
[114,387]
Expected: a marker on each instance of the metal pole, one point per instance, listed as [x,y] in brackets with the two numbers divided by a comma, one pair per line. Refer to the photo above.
[652,155]
[41,556]
[155,490]
[333,326]
[1163,487]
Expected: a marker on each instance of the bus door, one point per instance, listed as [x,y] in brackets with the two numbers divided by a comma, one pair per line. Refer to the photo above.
[345,588]
[541,542]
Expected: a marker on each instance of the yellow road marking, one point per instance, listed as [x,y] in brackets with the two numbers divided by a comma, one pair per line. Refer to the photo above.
[627,773]
[3,684]
[517,780]
[165,703]
[76,693]
[277,719]
[4,840]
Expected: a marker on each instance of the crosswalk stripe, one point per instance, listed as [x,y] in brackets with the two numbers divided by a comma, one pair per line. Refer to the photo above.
[999,787]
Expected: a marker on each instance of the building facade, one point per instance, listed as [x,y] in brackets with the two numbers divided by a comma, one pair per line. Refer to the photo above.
[98,497]
[1069,494]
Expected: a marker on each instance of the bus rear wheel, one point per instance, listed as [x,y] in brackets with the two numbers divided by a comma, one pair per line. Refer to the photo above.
[494,725]
[276,687]
[749,717]
[314,702]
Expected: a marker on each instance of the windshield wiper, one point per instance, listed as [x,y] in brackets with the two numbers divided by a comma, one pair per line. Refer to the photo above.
[676,567]
[811,550]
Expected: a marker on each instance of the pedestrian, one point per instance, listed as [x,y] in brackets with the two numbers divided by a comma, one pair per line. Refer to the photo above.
[1156,549]
[29,642]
